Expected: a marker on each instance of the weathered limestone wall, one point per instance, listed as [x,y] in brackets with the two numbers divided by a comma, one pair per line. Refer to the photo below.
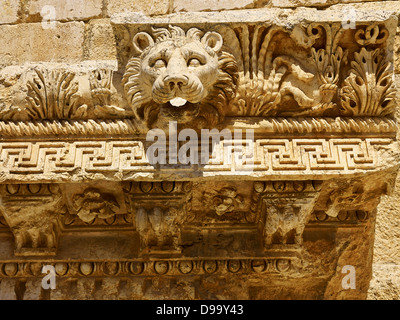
[80,30]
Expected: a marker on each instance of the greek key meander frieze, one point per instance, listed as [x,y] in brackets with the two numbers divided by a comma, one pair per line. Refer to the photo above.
[116,159]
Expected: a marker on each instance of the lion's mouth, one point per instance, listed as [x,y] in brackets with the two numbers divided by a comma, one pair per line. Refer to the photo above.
[179,105]
[180,109]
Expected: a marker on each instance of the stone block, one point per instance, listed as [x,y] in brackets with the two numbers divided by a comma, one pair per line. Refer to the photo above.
[99,40]
[8,11]
[79,189]
[147,7]
[311,3]
[211,5]
[66,9]
[57,42]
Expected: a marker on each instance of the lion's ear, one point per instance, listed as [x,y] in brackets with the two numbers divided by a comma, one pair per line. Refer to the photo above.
[212,40]
[141,41]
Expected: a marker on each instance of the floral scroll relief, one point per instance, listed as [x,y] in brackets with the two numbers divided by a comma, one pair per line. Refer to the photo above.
[197,77]
[51,96]
[369,89]
[60,94]
[269,74]
[328,62]
[268,79]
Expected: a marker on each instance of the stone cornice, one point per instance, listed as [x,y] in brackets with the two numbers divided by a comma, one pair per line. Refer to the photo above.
[249,142]
[262,15]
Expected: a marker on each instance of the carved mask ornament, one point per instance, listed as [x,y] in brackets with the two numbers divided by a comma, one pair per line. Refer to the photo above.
[180,75]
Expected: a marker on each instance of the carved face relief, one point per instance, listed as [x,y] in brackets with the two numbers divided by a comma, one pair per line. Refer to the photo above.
[180,74]
[174,75]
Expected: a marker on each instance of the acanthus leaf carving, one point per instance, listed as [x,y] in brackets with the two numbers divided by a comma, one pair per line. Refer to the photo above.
[60,93]
[369,89]
[197,77]
[51,96]
[78,127]
[328,62]
[158,219]
[158,228]
[285,209]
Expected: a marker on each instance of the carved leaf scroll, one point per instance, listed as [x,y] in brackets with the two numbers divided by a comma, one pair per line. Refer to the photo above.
[51,96]
[369,89]
[372,34]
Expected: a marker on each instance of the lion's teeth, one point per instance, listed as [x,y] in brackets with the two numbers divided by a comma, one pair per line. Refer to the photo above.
[178,102]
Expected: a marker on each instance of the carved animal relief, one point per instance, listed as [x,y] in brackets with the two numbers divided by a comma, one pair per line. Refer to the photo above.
[180,76]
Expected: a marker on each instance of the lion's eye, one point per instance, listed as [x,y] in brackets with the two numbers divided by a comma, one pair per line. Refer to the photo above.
[160,63]
[194,62]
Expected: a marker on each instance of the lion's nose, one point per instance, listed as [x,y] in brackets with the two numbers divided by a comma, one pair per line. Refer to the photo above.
[173,81]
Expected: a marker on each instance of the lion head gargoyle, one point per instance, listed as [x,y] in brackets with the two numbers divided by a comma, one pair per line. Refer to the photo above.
[180,76]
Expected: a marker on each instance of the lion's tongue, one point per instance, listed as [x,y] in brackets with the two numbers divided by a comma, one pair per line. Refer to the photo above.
[177,102]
